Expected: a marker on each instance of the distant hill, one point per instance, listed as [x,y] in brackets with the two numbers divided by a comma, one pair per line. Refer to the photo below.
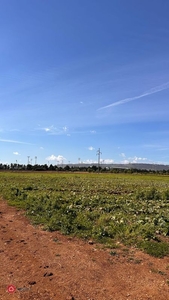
[140,166]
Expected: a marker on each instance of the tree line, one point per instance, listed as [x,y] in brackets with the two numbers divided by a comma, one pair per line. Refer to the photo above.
[77,168]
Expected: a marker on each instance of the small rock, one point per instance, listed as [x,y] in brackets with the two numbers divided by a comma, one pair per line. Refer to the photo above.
[31,282]
[8,241]
[90,242]
[22,289]
[70,298]
[48,274]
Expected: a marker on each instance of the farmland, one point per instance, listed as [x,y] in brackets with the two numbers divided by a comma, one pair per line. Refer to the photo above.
[132,209]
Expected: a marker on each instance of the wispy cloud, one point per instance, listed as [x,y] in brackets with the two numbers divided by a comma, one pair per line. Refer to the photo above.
[92,131]
[54,130]
[158,147]
[15,142]
[65,128]
[47,129]
[154,90]
[91,148]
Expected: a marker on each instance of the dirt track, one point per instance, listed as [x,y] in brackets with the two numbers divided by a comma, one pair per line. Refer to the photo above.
[50,266]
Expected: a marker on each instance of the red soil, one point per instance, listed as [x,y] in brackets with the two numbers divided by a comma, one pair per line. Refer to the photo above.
[50,266]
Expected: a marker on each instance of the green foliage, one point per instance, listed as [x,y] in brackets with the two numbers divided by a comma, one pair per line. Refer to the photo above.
[157,249]
[129,208]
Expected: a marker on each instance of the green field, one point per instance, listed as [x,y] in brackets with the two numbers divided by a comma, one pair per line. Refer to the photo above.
[132,209]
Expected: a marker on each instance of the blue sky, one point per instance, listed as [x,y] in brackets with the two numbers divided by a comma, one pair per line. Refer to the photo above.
[77,75]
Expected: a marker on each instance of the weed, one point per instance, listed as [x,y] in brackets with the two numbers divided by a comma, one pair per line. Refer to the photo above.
[113,253]
[158,272]
[154,248]
[55,240]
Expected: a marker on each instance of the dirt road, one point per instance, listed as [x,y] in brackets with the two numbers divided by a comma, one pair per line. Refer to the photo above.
[50,266]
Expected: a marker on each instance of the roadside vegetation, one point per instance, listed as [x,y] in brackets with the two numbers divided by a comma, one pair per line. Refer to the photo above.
[132,209]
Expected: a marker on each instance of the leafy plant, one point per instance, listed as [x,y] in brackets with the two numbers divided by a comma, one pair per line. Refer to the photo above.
[108,208]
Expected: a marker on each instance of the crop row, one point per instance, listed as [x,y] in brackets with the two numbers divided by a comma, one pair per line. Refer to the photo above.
[132,209]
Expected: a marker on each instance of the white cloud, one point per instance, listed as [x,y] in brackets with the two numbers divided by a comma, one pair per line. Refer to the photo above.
[137,159]
[107,161]
[90,161]
[65,128]
[125,161]
[47,129]
[58,158]
[123,155]
[51,157]
[91,148]
[150,92]
[93,131]
[4,162]
[134,159]
[50,129]
[102,161]
[16,153]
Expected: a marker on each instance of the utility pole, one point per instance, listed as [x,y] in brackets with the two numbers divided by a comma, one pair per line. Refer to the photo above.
[98,154]
[35,160]
[28,159]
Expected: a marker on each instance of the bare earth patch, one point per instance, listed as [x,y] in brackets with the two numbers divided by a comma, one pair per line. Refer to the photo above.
[50,266]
